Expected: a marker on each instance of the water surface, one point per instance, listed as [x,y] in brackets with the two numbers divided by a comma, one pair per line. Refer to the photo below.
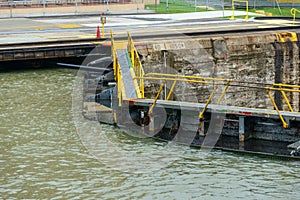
[43,156]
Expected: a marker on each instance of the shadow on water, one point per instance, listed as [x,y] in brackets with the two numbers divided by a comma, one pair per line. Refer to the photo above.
[42,156]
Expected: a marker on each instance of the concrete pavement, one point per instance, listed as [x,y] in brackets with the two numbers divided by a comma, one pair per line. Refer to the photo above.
[19,30]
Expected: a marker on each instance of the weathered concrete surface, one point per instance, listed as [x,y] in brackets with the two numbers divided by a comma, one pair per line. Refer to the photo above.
[254,58]
[39,10]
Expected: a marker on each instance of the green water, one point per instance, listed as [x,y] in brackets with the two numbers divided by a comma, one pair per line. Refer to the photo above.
[43,156]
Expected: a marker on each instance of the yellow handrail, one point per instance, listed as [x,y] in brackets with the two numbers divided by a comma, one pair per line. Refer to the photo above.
[155,100]
[136,64]
[207,102]
[136,69]
[285,125]
[224,91]
[116,68]
[233,1]
[293,13]
[171,90]
[283,88]
[139,77]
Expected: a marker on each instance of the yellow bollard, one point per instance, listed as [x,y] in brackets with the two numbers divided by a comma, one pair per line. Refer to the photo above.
[103,21]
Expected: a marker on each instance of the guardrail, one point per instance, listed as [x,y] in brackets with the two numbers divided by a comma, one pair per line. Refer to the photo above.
[136,64]
[136,68]
[138,74]
[293,13]
[215,82]
[244,1]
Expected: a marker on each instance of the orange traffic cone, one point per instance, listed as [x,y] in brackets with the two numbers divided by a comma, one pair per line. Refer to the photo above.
[98,32]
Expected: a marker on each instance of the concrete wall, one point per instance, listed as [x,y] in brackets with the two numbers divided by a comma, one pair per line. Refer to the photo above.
[248,58]
[150,2]
[65,2]
[69,9]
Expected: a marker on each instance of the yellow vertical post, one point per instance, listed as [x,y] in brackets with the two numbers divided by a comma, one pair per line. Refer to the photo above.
[246,17]
[157,96]
[103,21]
[285,125]
[208,102]
[171,90]
[113,53]
[247,5]
[142,82]
[102,30]
[119,87]
[129,45]
[293,13]
[136,64]
[224,91]
[232,6]
[287,101]
[132,52]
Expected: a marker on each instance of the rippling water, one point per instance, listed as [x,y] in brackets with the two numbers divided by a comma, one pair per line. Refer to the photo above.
[43,156]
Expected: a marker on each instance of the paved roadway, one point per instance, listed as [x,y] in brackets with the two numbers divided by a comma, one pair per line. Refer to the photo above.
[19,30]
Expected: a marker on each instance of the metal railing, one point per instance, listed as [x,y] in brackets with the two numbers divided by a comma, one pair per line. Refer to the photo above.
[138,77]
[116,68]
[233,7]
[226,83]
[136,64]
[136,68]
[294,11]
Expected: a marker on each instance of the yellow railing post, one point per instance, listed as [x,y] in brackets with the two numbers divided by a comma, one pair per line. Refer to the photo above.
[287,101]
[138,73]
[246,17]
[113,54]
[283,88]
[103,21]
[155,100]
[171,90]
[286,88]
[293,13]
[116,68]
[247,6]
[131,49]
[285,125]
[119,85]
[224,91]
[136,64]
[232,7]
[208,102]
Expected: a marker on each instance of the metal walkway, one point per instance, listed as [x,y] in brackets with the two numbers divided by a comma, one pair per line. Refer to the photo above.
[270,131]
[130,79]
[123,59]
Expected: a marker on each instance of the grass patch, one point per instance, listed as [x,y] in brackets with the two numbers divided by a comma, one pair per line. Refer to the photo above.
[174,7]
[286,12]
[177,6]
